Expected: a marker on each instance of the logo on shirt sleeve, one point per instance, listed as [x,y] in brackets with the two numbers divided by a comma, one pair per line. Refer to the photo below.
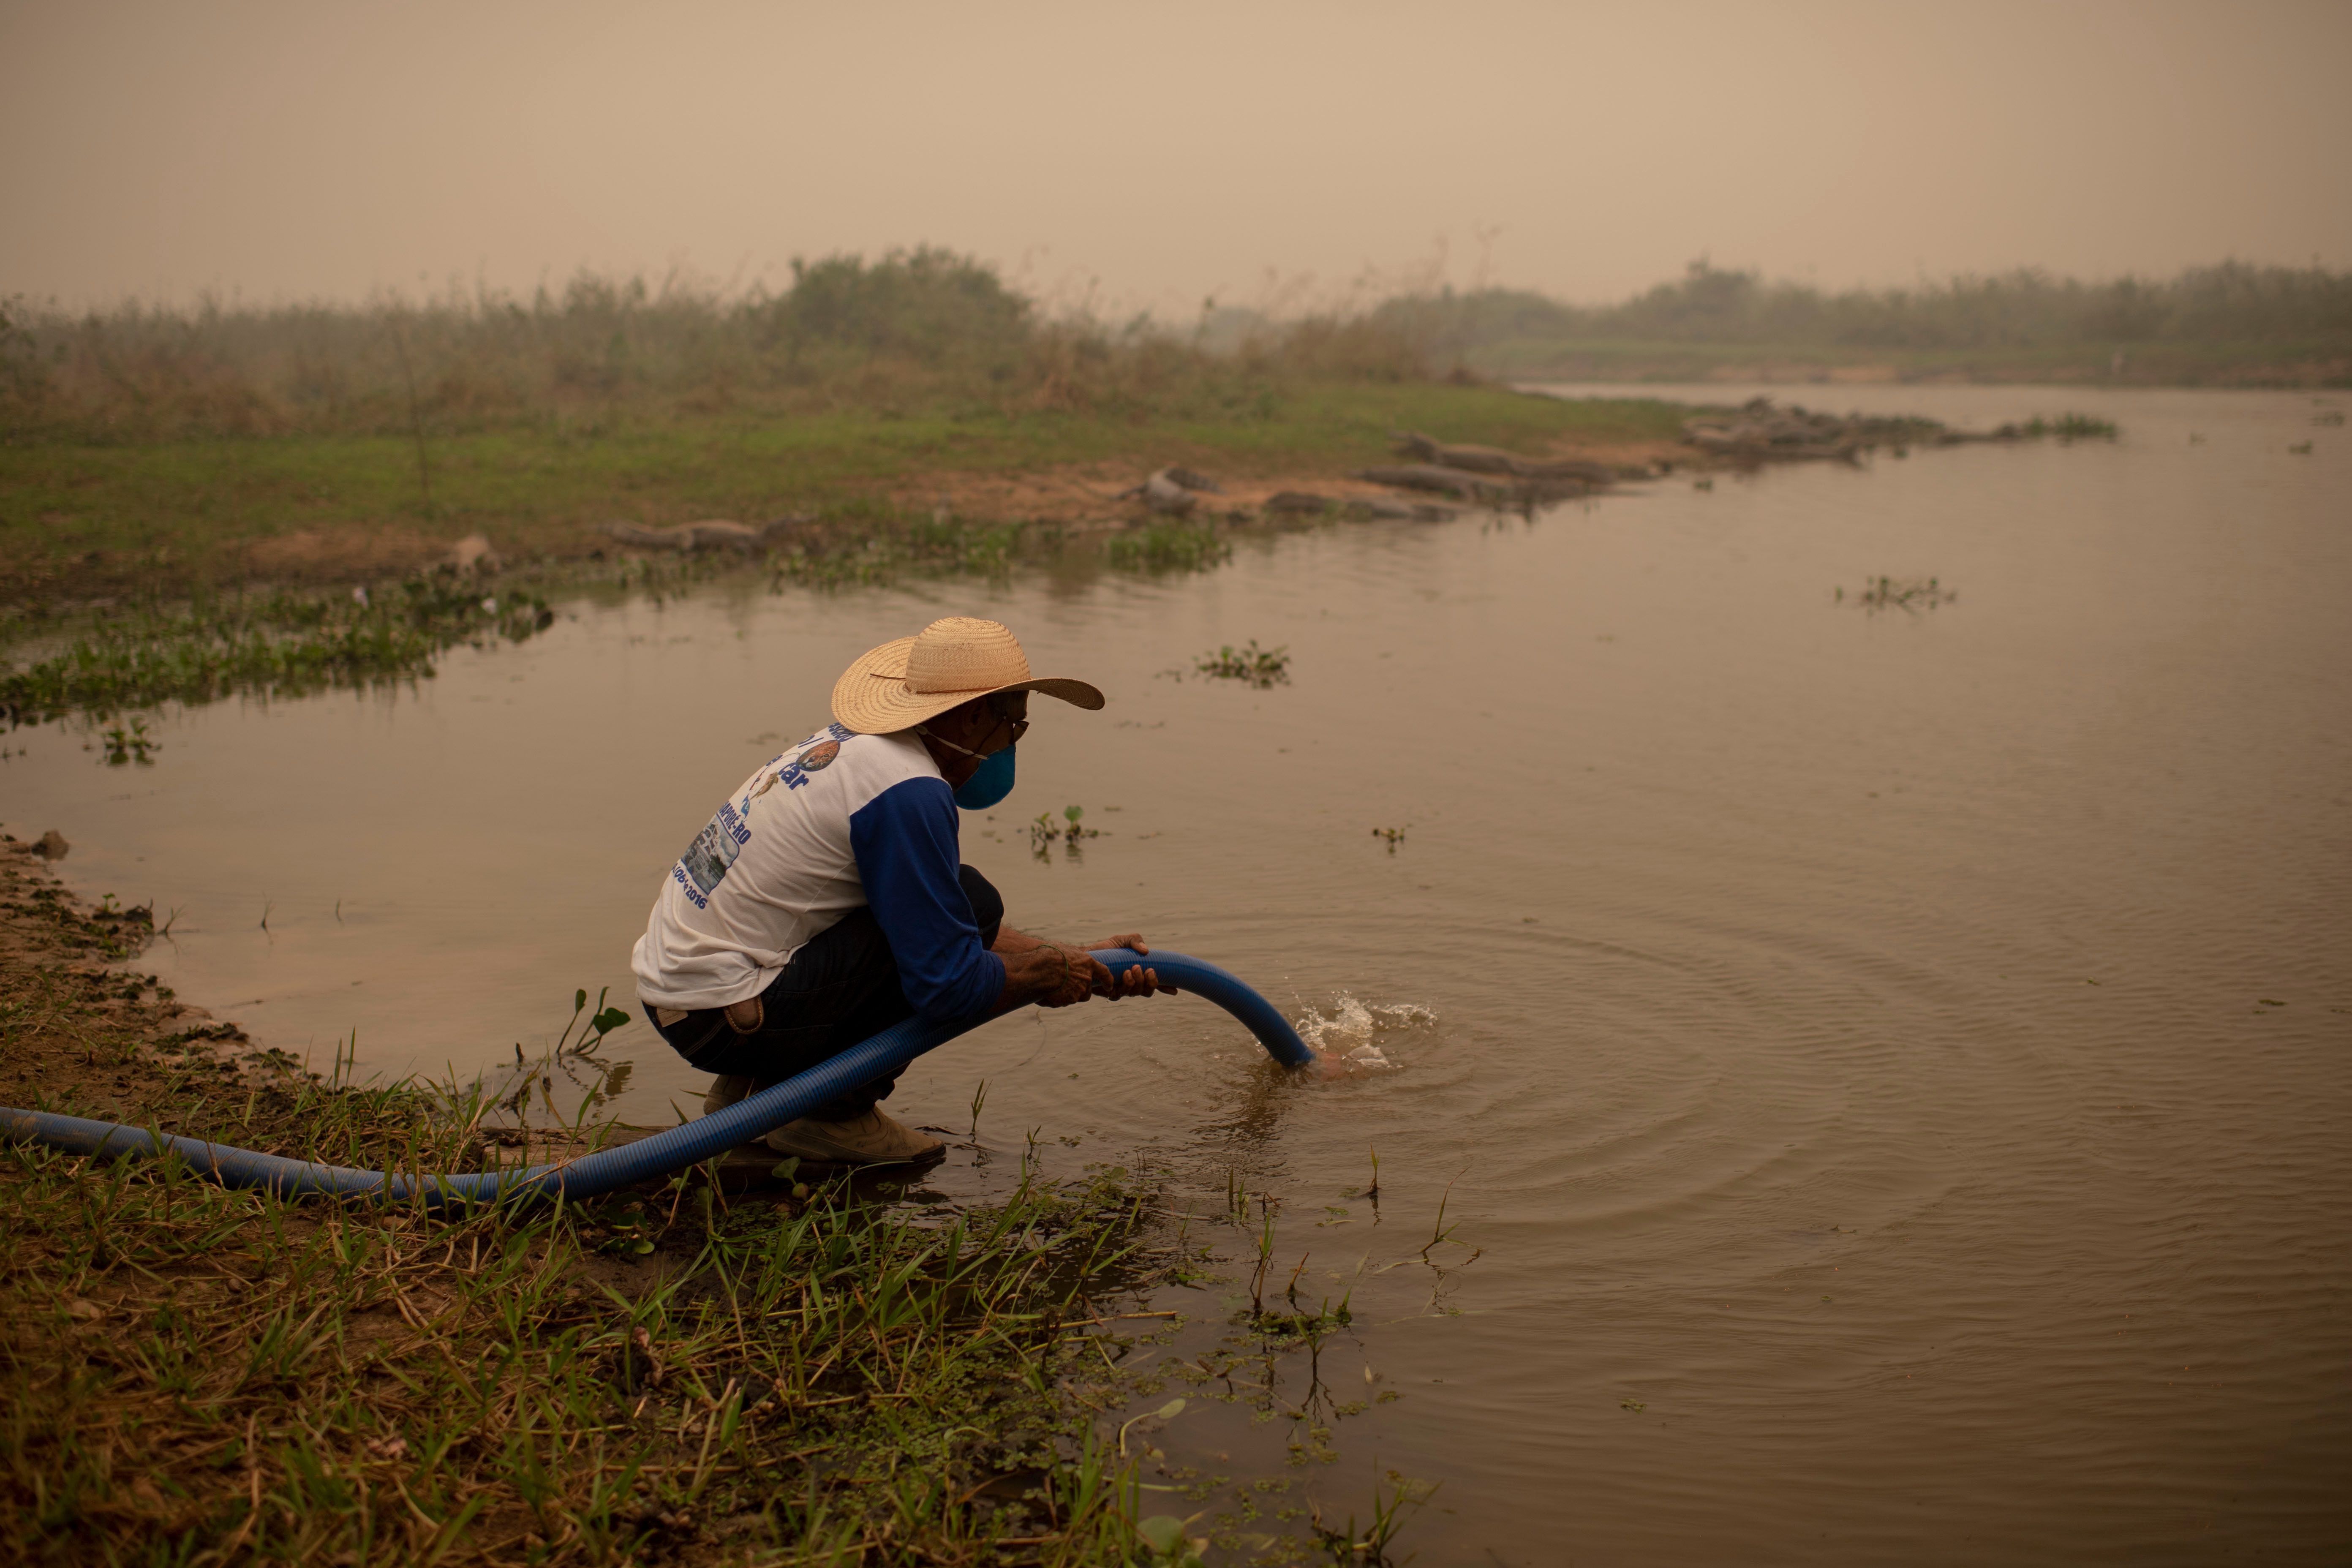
[815,755]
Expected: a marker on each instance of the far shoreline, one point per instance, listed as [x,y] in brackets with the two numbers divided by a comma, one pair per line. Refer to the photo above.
[162,521]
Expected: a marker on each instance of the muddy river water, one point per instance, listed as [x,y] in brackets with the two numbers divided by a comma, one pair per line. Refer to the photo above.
[1891,1067]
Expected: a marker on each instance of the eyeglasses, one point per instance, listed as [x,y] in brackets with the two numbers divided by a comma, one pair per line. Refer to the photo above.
[1020,725]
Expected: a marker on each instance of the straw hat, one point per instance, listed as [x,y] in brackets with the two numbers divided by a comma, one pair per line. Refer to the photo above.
[948,663]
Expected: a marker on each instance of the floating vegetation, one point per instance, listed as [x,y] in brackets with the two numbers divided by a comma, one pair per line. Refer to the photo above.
[1258,666]
[1899,593]
[2332,417]
[131,743]
[2301,448]
[1043,831]
[866,546]
[1170,1547]
[2066,428]
[1395,835]
[1169,546]
[282,646]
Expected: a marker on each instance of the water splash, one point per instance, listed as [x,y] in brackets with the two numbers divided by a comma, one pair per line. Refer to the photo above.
[1345,1033]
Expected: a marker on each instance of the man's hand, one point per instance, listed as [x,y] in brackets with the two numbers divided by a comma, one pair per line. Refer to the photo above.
[1138,981]
[1053,976]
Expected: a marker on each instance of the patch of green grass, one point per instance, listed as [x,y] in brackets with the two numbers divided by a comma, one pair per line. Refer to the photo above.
[78,517]
[192,1370]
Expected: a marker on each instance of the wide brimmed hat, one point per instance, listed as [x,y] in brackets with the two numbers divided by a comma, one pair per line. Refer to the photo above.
[947,664]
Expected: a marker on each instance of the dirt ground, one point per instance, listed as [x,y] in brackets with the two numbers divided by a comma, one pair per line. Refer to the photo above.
[77,1019]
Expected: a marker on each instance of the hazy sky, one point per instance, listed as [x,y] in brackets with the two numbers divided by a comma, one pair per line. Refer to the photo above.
[1159,154]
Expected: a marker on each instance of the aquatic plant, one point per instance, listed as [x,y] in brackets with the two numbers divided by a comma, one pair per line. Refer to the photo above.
[1395,835]
[1899,593]
[2069,428]
[605,1021]
[866,545]
[1045,832]
[130,743]
[1168,547]
[1391,1511]
[1170,1546]
[1250,664]
[282,644]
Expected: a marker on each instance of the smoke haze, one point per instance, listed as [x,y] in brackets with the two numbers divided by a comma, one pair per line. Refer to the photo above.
[277,151]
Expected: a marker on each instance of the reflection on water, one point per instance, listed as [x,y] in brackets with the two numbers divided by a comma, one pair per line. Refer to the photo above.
[1884,1072]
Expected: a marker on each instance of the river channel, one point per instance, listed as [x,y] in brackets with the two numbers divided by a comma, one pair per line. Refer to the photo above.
[1890,1066]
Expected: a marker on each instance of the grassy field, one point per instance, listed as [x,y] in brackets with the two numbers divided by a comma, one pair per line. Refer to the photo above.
[78,517]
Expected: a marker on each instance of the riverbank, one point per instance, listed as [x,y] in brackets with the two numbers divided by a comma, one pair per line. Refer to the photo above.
[671,1373]
[1635,361]
[228,607]
[81,519]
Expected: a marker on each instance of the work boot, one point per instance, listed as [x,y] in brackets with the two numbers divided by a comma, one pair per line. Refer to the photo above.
[873,1138]
[726,1090]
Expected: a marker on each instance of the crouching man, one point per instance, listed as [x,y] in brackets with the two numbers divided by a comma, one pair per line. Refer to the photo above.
[827,900]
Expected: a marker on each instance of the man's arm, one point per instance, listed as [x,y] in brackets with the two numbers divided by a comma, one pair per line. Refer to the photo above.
[904,843]
[1053,976]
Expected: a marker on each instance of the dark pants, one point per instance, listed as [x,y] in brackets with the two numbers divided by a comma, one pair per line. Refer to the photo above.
[837,992]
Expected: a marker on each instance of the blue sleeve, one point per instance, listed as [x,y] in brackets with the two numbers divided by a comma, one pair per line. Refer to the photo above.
[905,841]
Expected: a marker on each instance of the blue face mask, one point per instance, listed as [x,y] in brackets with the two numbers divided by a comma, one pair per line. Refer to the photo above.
[990,785]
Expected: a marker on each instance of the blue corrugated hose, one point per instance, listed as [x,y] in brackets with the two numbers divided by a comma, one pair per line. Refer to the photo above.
[702,1139]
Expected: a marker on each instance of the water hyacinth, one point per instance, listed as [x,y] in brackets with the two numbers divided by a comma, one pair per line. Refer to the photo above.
[283,646]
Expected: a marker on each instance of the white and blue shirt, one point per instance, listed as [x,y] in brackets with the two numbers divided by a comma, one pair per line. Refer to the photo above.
[839,822]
